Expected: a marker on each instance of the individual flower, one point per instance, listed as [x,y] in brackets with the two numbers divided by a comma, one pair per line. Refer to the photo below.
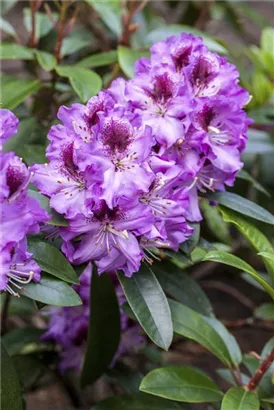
[68,327]
[8,125]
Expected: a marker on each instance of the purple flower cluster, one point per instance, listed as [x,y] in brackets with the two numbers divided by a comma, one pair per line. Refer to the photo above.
[20,215]
[68,327]
[126,168]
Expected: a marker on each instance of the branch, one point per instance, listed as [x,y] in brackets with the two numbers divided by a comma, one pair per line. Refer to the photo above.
[256,378]
[60,30]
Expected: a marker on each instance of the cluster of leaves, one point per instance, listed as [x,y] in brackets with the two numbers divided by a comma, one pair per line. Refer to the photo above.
[65,63]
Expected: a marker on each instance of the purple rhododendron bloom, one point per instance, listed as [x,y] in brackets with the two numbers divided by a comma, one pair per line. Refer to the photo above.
[20,215]
[68,327]
[126,169]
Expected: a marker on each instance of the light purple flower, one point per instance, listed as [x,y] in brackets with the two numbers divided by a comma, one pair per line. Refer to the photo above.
[8,125]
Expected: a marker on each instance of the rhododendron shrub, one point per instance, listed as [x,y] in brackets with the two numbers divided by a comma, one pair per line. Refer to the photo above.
[117,184]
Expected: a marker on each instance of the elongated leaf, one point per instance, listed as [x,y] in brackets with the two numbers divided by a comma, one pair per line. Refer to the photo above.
[136,402]
[15,91]
[243,174]
[52,292]
[43,24]
[104,328]
[267,255]
[79,38]
[46,60]
[85,83]
[12,51]
[237,398]
[30,131]
[56,219]
[161,34]
[18,339]
[11,397]
[181,384]
[110,12]
[241,205]
[227,376]
[192,325]
[189,245]
[7,27]
[52,261]
[215,222]
[265,311]
[255,237]
[265,387]
[149,304]
[129,380]
[99,60]
[128,57]
[182,287]
[236,262]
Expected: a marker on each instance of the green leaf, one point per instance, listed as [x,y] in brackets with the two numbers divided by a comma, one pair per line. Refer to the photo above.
[237,398]
[46,60]
[126,378]
[52,292]
[265,387]
[192,325]
[12,51]
[33,154]
[6,5]
[99,60]
[78,38]
[255,237]
[110,12]
[7,27]
[149,304]
[265,311]
[268,400]
[236,262]
[267,255]
[56,219]
[215,222]
[11,397]
[227,376]
[29,369]
[43,24]
[241,205]
[243,174]
[18,339]
[189,245]
[267,39]
[136,402]
[182,287]
[181,383]
[85,83]
[52,261]
[104,328]
[128,57]
[15,91]
[161,34]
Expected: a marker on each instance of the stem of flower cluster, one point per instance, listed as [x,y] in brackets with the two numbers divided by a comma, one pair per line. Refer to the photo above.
[256,378]
[32,40]
[60,30]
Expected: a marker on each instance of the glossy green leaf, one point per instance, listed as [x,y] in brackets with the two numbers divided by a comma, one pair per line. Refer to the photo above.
[236,262]
[18,339]
[182,287]
[43,23]
[128,57]
[99,60]
[12,51]
[189,245]
[241,205]
[52,261]
[215,222]
[11,395]
[149,304]
[7,27]
[33,154]
[243,174]
[267,255]
[104,328]
[79,38]
[85,83]
[268,400]
[56,219]
[265,311]
[110,12]
[192,325]
[161,34]
[51,292]
[237,398]
[227,376]
[126,378]
[46,60]
[267,348]
[181,383]
[255,237]
[15,91]
[136,402]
